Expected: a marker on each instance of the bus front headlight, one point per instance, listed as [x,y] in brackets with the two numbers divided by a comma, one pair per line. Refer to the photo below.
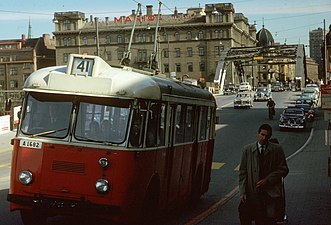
[25,177]
[102,185]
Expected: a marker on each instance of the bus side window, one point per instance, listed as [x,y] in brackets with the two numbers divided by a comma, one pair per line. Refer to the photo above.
[153,125]
[136,129]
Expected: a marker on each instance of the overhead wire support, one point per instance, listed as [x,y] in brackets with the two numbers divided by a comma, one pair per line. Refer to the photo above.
[127,55]
[153,64]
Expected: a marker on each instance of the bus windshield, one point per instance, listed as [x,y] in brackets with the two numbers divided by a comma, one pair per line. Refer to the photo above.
[46,117]
[102,123]
[95,119]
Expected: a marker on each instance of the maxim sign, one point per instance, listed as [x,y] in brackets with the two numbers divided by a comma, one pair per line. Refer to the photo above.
[150,18]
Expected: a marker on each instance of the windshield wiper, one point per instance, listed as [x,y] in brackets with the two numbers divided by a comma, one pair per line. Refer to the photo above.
[48,132]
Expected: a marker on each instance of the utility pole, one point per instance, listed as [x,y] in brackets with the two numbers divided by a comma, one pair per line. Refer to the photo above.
[325,54]
[97,33]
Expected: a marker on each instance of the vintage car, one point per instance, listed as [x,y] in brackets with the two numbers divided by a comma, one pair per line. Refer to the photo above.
[230,89]
[245,86]
[243,100]
[293,118]
[277,86]
[308,106]
[262,94]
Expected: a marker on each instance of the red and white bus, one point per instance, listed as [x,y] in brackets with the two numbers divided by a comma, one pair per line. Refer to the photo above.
[113,142]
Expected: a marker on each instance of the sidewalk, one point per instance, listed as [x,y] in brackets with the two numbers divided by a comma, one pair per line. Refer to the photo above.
[308,193]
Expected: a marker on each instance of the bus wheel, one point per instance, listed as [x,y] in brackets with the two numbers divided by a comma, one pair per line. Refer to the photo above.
[196,187]
[30,217]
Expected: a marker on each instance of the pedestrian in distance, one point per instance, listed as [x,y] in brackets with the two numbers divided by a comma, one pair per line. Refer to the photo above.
[271,107]
[262,169]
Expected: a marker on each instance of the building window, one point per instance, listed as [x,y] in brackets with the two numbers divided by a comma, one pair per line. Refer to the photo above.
[13,71]
[218,34]
[217,50]
[178,67]
[108,55]
[189,35]
[190,67]
[201,35]
[177,50]
[85,40]
[165,36]
[189,52]
[177,36]
[66,41]
[120,55]
[166,68]
[108,39]
[201,51]
[221,34]
[202,66]
[2,71]
[66,25]
[13,84]
[119,39]
[65,57]
[26,65]
[218,17]
[142,55]
[165,53]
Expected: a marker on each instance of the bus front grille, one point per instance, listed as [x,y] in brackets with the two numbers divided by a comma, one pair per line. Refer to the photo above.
[71,167]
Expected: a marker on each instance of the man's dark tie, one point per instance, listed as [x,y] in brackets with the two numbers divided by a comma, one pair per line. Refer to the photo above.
[261,153]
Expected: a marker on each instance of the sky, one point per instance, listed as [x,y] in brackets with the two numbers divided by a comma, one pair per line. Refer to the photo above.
[289,21]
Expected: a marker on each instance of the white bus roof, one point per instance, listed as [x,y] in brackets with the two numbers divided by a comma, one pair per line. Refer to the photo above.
[90,75]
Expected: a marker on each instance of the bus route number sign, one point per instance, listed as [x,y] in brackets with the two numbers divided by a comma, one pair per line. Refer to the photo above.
[30,144]
[82,66]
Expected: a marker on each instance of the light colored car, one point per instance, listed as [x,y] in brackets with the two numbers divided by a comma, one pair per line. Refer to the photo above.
[245,86]
[262,94]
[243,100]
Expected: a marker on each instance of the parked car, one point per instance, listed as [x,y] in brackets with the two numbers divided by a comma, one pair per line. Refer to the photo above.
[308,106]
[243,100]
[313,86]
[310,93]
[293,118]
[262,94]
[245,86]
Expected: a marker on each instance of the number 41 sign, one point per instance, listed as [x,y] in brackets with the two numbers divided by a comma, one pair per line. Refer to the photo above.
[82,66]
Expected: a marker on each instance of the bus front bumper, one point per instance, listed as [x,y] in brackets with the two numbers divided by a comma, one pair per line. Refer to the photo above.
[61,206]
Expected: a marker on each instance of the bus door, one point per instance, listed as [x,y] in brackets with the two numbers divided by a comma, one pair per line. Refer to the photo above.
[181,135]
[171,191]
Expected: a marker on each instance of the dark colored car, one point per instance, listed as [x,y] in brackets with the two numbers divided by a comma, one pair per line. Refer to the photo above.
[308,106]
[293,118]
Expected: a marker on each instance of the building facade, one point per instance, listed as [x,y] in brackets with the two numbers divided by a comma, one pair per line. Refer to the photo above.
[316,39]
[188,43]
[20,57]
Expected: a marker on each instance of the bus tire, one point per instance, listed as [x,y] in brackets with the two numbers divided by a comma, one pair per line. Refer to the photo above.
[151,202]
[31,217]
[196,187]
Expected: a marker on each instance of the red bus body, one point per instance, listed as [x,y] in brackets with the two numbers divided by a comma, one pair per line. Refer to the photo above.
[65,169]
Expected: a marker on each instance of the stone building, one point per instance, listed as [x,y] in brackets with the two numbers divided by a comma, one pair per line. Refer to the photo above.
[188,43]
[20,57]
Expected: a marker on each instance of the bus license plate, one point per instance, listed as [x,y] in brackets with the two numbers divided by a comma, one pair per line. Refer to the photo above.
[30,144]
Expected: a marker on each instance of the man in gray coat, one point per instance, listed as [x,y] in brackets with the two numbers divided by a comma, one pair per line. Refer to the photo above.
[262,169]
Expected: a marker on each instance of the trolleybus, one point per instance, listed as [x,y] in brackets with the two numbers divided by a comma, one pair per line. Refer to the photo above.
[113,142]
